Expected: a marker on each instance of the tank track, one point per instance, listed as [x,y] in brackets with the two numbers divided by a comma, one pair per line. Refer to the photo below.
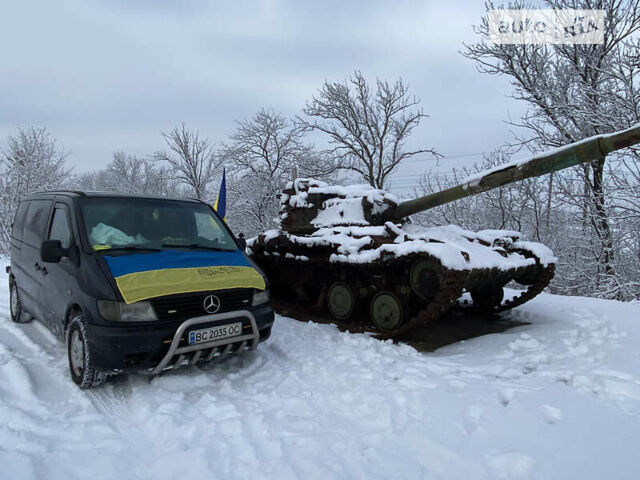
[544,278]
[421,312]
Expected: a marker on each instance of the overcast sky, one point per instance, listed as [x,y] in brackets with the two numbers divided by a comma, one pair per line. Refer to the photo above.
[112,74]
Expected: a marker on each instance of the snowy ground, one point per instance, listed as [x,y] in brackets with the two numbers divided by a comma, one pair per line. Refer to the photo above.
[557,399]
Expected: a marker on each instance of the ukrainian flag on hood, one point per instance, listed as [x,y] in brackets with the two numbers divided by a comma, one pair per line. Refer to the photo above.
[148,275]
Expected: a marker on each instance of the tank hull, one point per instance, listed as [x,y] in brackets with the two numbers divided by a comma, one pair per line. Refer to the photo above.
[422,275]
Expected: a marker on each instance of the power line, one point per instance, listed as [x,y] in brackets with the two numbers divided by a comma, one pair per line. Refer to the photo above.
[446,157]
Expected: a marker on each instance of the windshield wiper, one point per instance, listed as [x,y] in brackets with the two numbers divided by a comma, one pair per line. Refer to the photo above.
[194,245]
[130,248]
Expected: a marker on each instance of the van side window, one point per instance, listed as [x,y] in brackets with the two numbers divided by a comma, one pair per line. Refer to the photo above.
[36,223]
[18,220]
[60,228]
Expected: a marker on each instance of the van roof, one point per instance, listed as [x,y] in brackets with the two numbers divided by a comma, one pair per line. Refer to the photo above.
[85,193]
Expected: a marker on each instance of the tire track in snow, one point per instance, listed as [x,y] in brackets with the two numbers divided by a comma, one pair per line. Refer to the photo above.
[45,349]
[111,401]
[44,404]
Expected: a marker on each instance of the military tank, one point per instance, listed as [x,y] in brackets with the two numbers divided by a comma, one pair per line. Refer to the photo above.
[349,252]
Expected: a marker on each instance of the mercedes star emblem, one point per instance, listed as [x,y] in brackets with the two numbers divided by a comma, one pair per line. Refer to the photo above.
[211,303]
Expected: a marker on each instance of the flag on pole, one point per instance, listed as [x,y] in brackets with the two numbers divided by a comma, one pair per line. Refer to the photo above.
[221,202]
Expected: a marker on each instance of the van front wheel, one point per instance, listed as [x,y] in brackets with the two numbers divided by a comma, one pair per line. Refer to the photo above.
[83,373]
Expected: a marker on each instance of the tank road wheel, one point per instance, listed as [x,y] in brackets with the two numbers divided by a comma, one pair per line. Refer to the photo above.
[341,300]
[423,278]
[387,311]
[488,296]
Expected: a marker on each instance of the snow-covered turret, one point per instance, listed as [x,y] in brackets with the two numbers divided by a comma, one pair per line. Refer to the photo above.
[308,204]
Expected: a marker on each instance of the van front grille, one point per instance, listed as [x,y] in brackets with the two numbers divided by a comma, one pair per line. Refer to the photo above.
[188,305]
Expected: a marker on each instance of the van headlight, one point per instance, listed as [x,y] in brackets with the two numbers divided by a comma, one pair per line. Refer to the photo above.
[122,312]
[260,297]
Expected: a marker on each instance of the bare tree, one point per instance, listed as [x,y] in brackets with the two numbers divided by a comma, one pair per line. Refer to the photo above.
[262,156]
[574,91]
[270,144]
[96,181]
[135,175]
[191,158]
[31,162]
[131,174]
[369,129]
[252,203]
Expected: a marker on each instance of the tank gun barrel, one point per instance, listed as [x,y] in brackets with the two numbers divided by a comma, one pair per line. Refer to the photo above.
[570,155]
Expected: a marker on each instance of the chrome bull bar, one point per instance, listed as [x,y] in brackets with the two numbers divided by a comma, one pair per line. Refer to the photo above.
[251,339]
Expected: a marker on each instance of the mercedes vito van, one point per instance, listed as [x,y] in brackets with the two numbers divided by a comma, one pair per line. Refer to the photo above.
[134,282]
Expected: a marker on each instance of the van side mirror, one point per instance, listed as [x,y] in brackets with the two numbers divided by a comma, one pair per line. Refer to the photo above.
[51,251]
[242,241]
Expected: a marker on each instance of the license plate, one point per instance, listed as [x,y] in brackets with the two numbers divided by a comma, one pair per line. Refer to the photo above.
[215,333]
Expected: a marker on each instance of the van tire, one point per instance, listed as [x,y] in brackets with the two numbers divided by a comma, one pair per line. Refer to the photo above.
[15,304]
[81,368]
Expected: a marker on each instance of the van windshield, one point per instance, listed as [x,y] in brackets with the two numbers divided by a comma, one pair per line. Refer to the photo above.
[130,224]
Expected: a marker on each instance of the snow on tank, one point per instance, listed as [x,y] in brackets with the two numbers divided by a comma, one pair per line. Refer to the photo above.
[314,214]
[308,204]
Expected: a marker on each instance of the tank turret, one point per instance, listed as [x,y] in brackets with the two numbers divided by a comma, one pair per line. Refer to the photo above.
[345,250]
[308,204]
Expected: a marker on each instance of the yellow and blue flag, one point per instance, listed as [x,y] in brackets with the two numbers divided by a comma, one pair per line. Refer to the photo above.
[221,202]
[149,275]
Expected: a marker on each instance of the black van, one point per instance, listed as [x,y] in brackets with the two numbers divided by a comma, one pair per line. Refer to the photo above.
[134,282]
